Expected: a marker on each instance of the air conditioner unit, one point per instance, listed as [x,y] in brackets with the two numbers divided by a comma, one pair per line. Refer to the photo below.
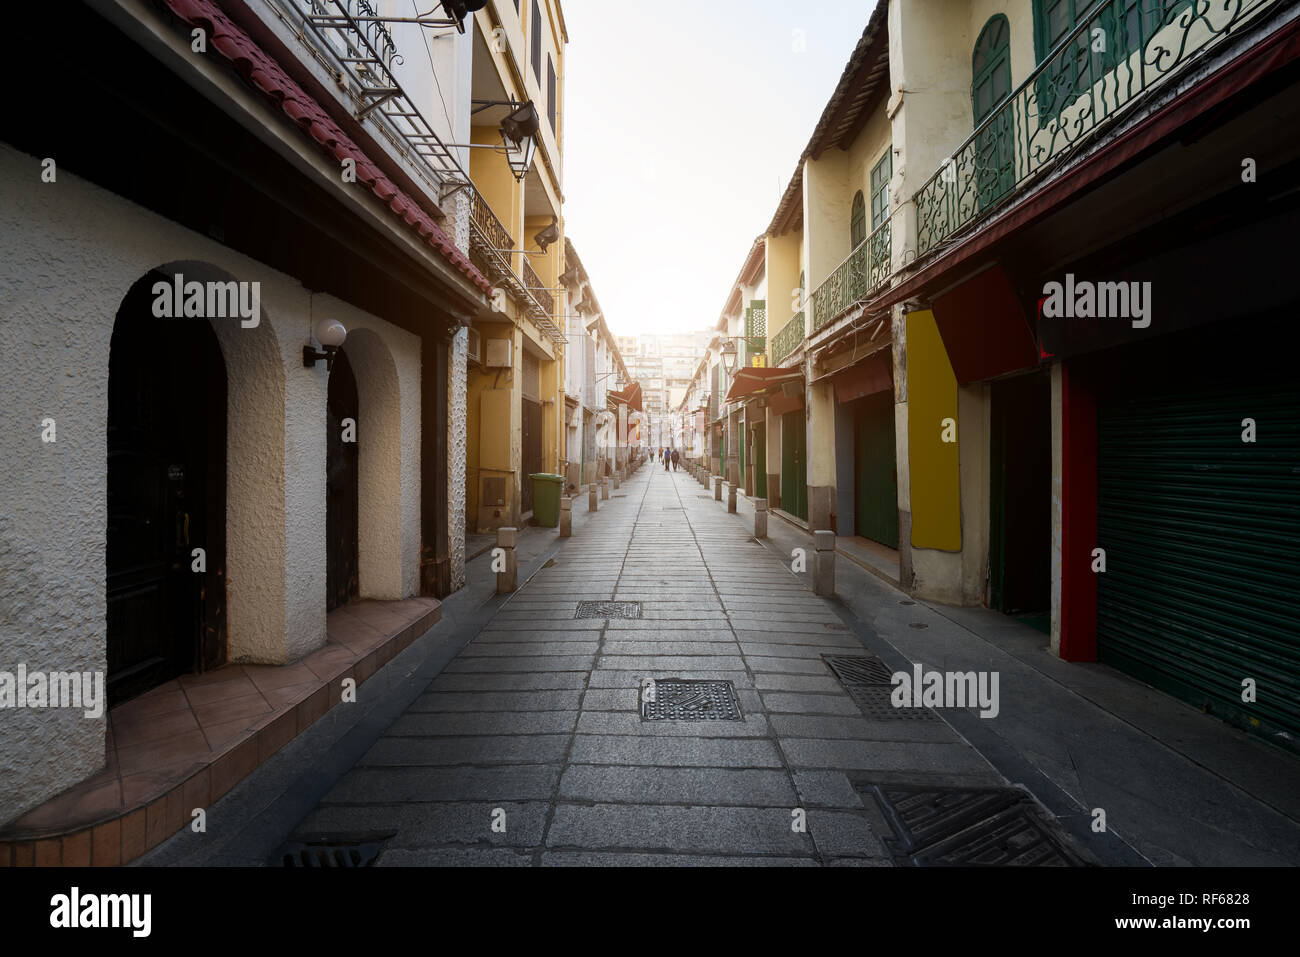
[498,354]
[475,346]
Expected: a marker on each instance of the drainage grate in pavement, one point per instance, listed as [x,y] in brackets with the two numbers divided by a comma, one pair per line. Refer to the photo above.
[858,669]
[867,680]
[969,827]
[680,699]
[608,609]
[331,850]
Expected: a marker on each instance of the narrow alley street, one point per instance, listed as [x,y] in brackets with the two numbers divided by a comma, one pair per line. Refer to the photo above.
[528,746]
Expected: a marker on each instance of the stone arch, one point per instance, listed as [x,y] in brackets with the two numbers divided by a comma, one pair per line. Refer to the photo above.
[255,467]
[379,446]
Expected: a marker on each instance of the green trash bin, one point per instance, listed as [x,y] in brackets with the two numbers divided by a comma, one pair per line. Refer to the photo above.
[546,498]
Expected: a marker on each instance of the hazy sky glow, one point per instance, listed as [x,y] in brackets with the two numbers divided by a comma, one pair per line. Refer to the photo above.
[684,124]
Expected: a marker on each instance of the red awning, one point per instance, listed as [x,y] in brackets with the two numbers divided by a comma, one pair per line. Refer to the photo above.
[631,396]
[753,380]
[984,328]
[873,374]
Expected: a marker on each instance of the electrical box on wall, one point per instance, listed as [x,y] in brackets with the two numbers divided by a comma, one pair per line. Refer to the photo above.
[497,353]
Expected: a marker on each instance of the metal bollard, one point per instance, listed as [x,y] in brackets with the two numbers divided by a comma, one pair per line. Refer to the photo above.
[604,488]
[566,517]
[731,498]
[591,497]
[824,563]
[717,488]
[760,518]
[508,576]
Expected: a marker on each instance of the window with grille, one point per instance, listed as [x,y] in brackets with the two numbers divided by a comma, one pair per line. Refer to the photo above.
[537,40]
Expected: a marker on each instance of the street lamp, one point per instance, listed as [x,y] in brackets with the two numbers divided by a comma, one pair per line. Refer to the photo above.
[729,356]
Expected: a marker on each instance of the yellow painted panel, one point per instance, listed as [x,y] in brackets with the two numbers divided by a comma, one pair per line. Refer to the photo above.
[934,467]
[494,430]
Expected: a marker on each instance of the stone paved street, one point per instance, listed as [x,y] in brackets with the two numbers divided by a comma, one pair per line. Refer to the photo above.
[539,715]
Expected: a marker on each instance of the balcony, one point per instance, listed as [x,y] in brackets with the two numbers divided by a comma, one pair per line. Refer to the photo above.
[790,338]
[865,271]
[1077,89]
[491,232]
[537,289]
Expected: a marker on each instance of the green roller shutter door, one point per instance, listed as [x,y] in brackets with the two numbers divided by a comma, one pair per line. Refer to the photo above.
[794,457]
[1202,539]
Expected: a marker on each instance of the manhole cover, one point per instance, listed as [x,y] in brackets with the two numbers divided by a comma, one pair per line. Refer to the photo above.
[608,609]
[679,699]
[907,603]
[331,850]
[918,624]
[969,827]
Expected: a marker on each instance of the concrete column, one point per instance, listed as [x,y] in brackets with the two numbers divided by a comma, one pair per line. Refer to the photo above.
[566,517]
[731,498]
[824,562]
[591,497]
[760,518]
[717,488]
[508,576]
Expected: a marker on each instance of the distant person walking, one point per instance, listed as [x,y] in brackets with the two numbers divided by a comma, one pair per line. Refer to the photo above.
[667,459]
[674,458]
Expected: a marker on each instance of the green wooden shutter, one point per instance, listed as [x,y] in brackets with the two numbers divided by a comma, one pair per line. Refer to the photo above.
[1202,538]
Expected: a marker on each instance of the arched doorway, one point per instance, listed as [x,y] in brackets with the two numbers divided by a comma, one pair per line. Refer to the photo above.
[166,497]
[342,511]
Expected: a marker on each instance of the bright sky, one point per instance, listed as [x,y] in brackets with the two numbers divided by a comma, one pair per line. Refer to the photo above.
[684,124]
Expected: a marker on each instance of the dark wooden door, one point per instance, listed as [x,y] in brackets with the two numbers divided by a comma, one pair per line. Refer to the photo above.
[1020,550]
[531,441]
[342,567]
[876,479]
[794,464]
[166,497]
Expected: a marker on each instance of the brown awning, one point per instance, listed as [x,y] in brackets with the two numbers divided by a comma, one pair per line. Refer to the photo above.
[631,396]
[873,374]
[753,380]
[984,329]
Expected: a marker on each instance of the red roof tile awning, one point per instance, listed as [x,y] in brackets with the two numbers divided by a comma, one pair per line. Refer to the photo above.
[753,380]
[262,72]
[631,396]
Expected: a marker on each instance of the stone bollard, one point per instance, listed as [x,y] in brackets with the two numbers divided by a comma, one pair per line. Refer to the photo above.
[824,563]
[604,488]
[566,517]
[507,577]
[760,518]
[591,497]
[617,480]
[717,488]
[731,498]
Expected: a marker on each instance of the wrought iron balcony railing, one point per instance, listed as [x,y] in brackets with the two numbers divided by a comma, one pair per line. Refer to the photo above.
[490,229]
[1116,53]
[537,289]
[865,271]
[790,338]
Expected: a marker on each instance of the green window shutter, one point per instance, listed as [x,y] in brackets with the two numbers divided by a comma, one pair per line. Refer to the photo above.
[880,176]
[857,224]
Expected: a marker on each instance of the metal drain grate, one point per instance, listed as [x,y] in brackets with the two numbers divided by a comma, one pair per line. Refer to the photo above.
[867,680]
[969,827]
[608,609]
[331,850]
[679,699]
[859,669]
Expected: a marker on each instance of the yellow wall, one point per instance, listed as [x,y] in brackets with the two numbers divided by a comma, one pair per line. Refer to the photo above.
[935,478]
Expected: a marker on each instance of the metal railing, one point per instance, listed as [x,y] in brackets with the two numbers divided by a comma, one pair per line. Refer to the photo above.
[866,270]
[790,338]
[1118,52]
[491,229]
[537,289]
